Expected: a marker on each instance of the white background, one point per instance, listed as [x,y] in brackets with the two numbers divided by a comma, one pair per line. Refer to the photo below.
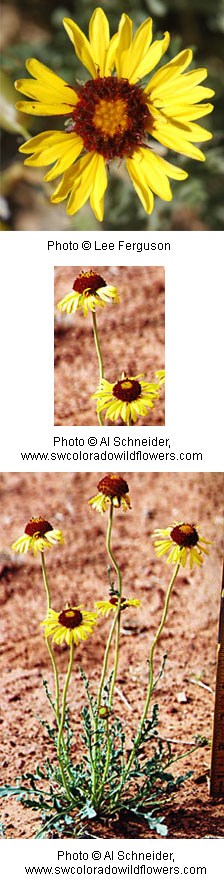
[194,342]
[194,418]
[187,853]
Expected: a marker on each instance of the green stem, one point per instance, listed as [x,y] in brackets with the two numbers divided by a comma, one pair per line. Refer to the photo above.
[100,358]
[50,651]
[111,695]
[116,621]
[151,674]
[61,724]
[109,551]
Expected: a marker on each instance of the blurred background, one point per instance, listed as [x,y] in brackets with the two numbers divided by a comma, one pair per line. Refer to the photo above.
[34,28]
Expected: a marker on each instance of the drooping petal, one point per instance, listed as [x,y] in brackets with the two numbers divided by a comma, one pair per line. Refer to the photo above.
[135,171]
[98,189]
[60,148]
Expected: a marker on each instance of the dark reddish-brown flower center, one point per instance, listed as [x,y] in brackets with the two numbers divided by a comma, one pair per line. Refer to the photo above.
[111,116]
[115,599]
[88,280]
[38,526]
[70,617]
[185,535]
[127,390]
[113,485]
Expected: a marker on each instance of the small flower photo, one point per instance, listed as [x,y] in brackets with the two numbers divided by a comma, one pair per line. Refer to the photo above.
[112,115]
[100,573]
[109,346]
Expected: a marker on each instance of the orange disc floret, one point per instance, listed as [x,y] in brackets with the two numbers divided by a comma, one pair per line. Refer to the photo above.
[185,535]
[113,485]
[88,280]
[37,525]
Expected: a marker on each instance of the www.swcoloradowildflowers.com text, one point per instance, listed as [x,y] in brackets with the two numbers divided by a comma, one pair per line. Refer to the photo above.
[119,457]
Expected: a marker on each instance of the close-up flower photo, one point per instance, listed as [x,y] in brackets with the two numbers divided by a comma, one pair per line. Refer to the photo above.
[109,635]
[109,346]
[109,116]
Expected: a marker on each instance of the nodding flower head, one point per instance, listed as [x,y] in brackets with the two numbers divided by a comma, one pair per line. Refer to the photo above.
[39,533]
[113,489]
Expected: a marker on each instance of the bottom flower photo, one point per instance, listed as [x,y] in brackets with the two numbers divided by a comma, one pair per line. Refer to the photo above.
[110,597]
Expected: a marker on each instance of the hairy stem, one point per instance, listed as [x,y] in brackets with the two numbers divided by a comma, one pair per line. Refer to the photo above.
[49,648]
[61,724]
[115,624]
[100,358]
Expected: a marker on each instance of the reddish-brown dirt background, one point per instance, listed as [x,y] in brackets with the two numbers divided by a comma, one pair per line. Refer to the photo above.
[131,336]
[78,573]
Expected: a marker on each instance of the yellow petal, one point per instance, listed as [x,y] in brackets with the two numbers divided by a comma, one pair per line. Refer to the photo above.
[132,57]
[85,171]
[171,70]
[135,170]
[66,160]
[188,112]
[170,170]
[42,140]
[124,41]
[152,57]
[98,191]
[40,109]
[99,35]
[111,53]
[173,138]
[44,91]
[81,45]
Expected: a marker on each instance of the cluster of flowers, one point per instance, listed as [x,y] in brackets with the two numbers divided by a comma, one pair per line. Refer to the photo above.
[112,117]
[182,542]
[129,396]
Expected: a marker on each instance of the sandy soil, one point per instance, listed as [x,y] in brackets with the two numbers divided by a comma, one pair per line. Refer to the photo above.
[78,573]
[131,335]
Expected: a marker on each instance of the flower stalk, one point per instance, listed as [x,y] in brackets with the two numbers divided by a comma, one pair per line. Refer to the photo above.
[100,358]
[61,724]
[48,644]
[151,674]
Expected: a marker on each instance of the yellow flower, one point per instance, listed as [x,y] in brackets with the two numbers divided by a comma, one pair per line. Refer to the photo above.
[39,533]
[182,542]
[113,489]
[89,291]
[105,607]
[70,625]
[113,117]
[127,398]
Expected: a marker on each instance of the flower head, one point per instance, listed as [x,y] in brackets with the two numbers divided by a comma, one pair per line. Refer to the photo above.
[39,533]
[105,607]
[113,117]
[181,542]
[113,489]
[70,625]
[89,291]
[127,398]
